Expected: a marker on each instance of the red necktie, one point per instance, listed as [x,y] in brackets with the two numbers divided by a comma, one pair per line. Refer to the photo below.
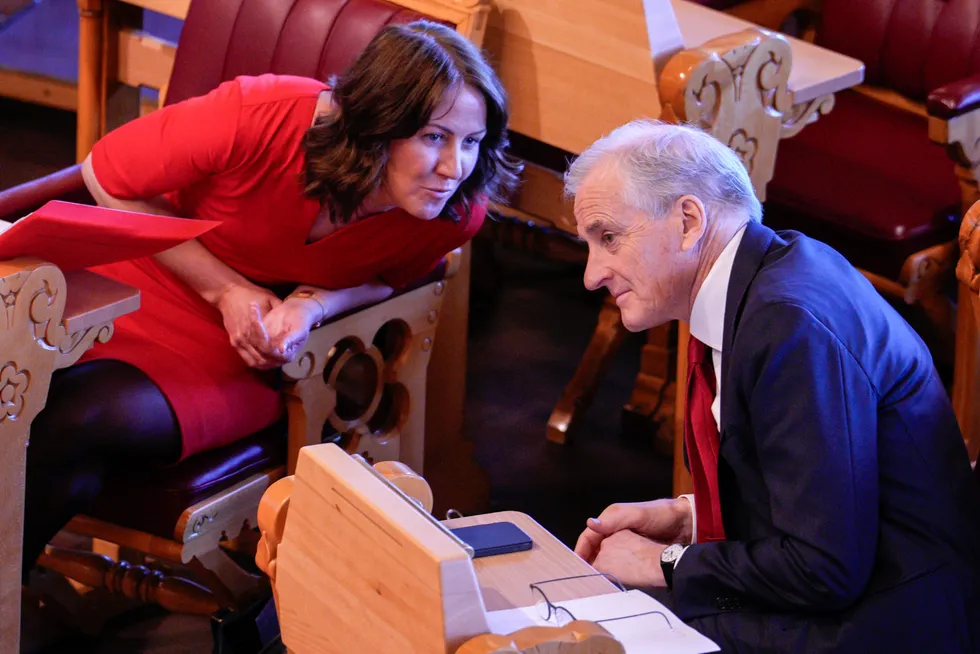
[701,440]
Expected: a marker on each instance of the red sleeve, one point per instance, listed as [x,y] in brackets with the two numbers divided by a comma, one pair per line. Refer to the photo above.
[430,256]
[171,148]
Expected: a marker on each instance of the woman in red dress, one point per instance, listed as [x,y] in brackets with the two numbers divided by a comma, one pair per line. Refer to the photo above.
[341,191]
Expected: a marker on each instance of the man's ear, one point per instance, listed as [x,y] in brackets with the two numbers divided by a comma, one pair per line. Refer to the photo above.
[693,220]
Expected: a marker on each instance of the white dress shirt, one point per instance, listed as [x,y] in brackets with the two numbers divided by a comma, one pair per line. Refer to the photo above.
[708,326]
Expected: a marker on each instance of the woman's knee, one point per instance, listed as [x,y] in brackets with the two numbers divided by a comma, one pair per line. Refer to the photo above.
[103,409]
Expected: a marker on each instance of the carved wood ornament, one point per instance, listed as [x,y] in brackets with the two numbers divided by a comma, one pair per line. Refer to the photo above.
[365,376]
[735,88]
[34,342]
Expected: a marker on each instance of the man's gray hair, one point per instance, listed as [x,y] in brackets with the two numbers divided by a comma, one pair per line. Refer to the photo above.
[660,162]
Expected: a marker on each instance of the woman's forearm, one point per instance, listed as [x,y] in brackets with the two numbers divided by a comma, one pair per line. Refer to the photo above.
[198,268]
[333,303]
[190,261]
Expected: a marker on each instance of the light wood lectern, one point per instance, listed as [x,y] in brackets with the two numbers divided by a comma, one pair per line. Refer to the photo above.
[362,566]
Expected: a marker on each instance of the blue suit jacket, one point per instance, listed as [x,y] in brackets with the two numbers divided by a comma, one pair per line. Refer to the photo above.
[851,512]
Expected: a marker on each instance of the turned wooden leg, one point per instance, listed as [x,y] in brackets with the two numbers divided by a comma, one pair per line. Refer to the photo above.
[650,410]
[132,582]
[608,336]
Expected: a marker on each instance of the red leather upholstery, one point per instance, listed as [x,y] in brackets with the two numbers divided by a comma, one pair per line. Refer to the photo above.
[866,178]
[911,46]
[222,39]
[955,98]
[152,499]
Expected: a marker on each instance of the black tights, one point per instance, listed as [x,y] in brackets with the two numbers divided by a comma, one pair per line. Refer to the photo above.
[100,416]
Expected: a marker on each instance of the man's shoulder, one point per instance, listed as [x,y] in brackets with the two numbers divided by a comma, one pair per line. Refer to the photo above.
[797,270]
[804,285]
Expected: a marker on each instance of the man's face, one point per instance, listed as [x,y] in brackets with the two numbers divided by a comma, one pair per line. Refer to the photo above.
[643,261]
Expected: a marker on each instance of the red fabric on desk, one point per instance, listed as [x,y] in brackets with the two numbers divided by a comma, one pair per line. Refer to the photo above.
[74,236]
[235,156]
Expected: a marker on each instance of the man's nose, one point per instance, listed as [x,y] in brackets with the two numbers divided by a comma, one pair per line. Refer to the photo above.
[595,274]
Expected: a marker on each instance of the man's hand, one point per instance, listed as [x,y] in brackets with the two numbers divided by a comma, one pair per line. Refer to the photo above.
[665,521]
[632,559]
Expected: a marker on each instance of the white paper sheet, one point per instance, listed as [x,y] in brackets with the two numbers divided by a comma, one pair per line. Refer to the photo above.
[639,635]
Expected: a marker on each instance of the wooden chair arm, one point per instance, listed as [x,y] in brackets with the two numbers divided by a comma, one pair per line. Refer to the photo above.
[736,88]
[66,184]
[364,374]
[961,136]
[955,98]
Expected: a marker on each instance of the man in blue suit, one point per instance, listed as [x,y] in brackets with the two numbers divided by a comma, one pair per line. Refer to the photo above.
[835,509]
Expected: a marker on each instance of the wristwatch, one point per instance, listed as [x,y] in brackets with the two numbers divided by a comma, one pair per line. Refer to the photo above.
[668,559]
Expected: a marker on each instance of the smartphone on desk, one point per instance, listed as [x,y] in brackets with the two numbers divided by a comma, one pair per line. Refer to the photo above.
[494,538]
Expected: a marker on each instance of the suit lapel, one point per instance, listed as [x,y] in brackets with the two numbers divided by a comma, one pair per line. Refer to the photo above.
[748,260]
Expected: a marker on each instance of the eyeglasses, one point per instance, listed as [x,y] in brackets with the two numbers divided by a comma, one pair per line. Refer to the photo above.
[549,611]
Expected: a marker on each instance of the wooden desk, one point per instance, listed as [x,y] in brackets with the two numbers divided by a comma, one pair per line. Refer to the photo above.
[816,71]
[504,578]
[50,320]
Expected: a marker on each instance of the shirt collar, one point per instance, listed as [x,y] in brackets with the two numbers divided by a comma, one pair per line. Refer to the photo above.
[708,312]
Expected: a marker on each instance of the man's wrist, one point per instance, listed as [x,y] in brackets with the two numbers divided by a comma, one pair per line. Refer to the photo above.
[684,505]
[669,558]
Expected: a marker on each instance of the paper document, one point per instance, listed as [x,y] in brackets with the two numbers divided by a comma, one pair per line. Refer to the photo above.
[73,236]
[639,635]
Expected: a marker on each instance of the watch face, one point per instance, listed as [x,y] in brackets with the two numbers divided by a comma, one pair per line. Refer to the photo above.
[671,553]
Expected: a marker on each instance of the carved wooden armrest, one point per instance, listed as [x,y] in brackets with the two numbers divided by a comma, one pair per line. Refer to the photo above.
[364,375]
[954,121]
[735,87]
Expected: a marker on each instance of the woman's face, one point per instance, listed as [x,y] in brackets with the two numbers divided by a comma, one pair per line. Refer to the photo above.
[424,171]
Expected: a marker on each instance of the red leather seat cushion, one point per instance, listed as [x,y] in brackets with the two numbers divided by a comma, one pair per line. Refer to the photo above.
[151,499]
[866,179]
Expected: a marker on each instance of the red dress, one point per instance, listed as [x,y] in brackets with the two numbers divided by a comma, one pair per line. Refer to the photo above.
[235,156]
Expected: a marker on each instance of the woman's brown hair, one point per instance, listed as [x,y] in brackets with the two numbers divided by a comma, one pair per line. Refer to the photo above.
[389,93]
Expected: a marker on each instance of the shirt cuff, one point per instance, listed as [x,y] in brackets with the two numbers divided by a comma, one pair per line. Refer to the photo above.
[694,517]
